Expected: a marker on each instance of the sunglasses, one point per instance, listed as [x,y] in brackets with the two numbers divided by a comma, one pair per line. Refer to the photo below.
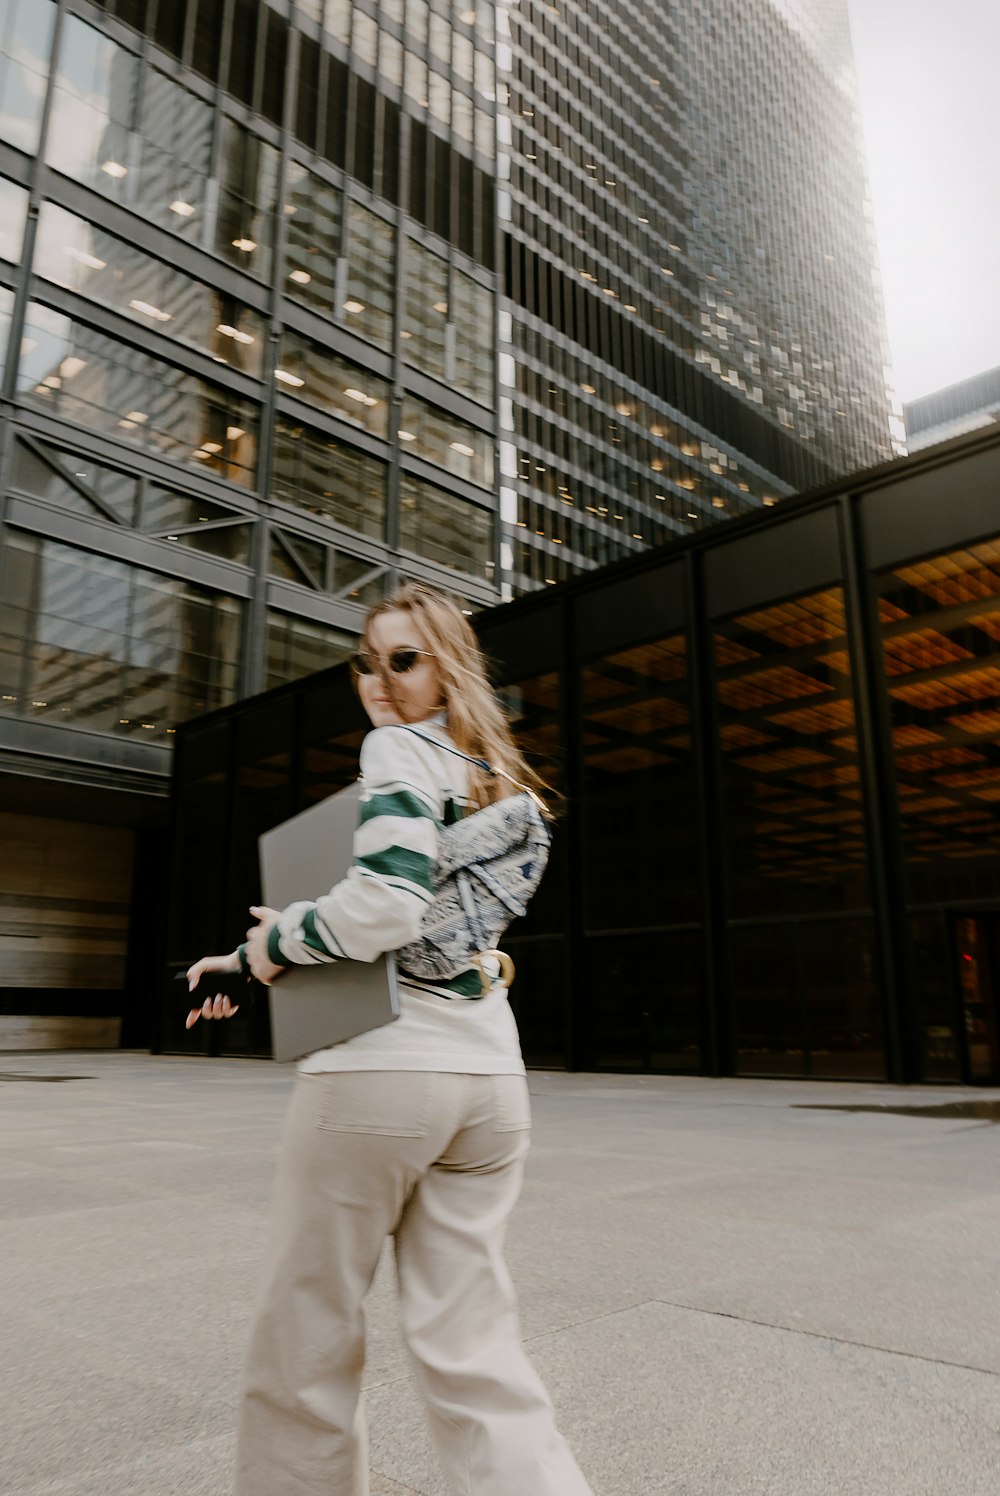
[399,661]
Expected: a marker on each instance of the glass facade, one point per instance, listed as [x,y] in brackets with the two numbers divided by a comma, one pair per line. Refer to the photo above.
[690,283]
[238,240]
[774,755]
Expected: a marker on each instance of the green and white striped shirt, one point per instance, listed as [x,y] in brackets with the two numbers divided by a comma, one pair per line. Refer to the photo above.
[408,797]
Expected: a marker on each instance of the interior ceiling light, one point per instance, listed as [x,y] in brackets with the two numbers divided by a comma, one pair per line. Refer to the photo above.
[114,169]
[290,379]
[246,245]
[71,366]
[588,389]
[301,277]
[151,311]
[463,448]
[440,306]
[234,332]
[407,436]
[212,447]
[52,382]
[233,433]
[181,208]
[81,255]
[138,416]
[354,306]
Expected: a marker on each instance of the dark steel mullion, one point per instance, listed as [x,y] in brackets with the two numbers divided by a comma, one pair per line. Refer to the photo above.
[199,527]
[8,389]
[578,1023]
[718,1019]
[886,858]
[394,474]
[254,655]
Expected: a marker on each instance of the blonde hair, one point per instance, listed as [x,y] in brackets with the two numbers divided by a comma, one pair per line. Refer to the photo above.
[476,720]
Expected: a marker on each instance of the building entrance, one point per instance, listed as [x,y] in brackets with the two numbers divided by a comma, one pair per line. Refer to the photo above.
[977,951]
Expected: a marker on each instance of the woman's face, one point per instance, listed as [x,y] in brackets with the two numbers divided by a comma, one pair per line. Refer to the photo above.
[411,696]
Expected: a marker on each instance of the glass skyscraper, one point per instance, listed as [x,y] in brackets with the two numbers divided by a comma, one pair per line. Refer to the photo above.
[692,312]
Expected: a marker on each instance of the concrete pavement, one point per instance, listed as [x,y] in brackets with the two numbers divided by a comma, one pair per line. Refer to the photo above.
[729,1286]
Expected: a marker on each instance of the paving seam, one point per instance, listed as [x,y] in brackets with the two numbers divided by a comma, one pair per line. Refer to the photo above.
[863,1345]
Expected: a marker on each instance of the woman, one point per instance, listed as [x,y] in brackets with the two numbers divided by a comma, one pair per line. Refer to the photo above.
[417,1130]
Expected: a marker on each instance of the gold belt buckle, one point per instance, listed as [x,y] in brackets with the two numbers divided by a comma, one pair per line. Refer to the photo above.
[507,969]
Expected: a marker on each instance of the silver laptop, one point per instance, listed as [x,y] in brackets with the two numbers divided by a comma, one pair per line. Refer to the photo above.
[313,1007]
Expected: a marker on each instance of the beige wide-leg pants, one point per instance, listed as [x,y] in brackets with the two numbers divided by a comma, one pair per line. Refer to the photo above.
[434,1160]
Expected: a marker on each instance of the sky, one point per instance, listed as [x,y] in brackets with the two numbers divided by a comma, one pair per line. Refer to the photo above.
[929,82]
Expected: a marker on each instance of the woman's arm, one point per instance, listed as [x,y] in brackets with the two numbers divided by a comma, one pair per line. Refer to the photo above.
[378,907]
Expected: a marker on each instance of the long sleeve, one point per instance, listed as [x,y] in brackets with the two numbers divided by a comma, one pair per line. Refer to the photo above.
[378,907]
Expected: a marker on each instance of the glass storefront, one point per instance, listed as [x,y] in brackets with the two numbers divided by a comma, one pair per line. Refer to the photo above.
[774,764]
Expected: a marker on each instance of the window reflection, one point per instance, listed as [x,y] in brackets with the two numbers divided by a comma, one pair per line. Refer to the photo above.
[248,177]
[175,162]
[472,315]
[425,310]
[640,806]
[353,394]
[300,646]
[6,310]
[371,249]
[317,473]
[806,1000]
[96,380]
[444,528]
[84,258]
[941,651]
[93,110]
[25,44]
[90,641]
[13,213]
[437,436]
[74,482]
[794,818]
[313,212]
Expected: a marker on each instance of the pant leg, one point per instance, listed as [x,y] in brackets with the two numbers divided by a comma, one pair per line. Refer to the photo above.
[353,1145]
[491,1417]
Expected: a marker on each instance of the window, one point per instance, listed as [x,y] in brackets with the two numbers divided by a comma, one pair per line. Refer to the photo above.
[941,652]
[84,258]
[445,529]
[794,816]
[371,251]
[472,316]
[13,214]
[174,164]
[313,216]
[438,437]
[321,475]
[93,108]
[95,379]
[425,310]
[90,641]
[25,44]
[353,394]
[6,309]
[247,197]
[300,646]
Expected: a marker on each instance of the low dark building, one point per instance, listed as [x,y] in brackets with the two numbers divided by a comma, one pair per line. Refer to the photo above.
[778,747]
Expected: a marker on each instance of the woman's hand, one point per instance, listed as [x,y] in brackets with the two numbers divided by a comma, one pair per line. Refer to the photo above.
[258,959]
[217,1006]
